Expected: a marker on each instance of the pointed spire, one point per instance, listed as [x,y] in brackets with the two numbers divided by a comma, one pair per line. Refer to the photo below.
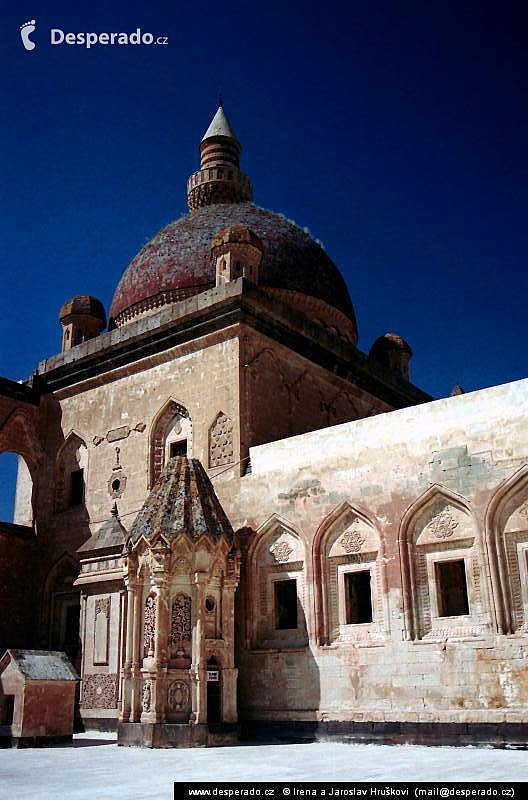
[219,179]
[220,126]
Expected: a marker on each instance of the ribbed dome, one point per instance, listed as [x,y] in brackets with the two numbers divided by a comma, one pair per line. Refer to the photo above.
[177,262]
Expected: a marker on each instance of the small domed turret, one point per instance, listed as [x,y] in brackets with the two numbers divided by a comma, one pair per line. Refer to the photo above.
[82,318]
[236,252]
[392,351]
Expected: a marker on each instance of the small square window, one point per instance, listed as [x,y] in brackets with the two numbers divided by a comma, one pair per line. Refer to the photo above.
[358,598]
[178,448]
[285,604]
[452,588]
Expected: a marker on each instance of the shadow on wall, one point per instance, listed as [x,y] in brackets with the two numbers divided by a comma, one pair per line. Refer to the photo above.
[278,682]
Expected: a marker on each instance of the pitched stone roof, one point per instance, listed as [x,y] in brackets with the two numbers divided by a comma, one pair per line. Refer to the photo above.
[110,535]
[182,500]
[40,665]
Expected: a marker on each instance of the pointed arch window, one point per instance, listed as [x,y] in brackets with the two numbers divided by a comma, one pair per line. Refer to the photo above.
[171,436]
[350,595]
[278,612]
[71,469]
[444,579]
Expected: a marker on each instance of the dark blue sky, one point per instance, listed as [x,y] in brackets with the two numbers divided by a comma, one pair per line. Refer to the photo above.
[395,132]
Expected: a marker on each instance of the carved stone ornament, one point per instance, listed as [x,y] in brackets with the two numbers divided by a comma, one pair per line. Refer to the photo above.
[150,624]
[352,541]
[281,551]
[99,691]
[178,696]
[116,484]
[180,620]
[147,695]
[443,524]
[221,441]
[102,605]
[523,510]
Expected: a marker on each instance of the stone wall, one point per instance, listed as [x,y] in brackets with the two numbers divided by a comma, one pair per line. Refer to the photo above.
[391,500]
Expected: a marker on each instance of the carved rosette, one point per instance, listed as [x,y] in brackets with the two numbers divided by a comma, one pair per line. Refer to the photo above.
[178,696]
[352,541]
[281,551]
[443,524]
[99,691]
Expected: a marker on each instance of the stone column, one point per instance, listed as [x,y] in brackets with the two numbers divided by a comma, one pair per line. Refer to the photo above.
[229,672]
[198,666]
[135,680]
[126,671]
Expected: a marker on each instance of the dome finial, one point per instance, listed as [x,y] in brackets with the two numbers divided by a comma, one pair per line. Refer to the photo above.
[220,103]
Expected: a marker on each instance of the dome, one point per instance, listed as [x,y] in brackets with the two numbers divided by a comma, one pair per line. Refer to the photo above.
[390,342]
[177,263]
[83,305]
[392,351]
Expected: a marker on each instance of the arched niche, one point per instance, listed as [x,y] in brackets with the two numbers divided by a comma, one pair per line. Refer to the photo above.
[70,473]
[170,436]
[349,578]
[278,587]
[61,608]
[507,539]
[445,588]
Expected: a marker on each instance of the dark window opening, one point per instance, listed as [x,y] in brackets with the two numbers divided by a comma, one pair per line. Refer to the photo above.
[178,448]
[71,632]
[209,604]
[285,604]
[77,487]
[8,709]
[358,598]
[452,588]
[116,485]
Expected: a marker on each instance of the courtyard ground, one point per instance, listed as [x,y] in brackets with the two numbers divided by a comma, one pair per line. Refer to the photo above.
[95,768]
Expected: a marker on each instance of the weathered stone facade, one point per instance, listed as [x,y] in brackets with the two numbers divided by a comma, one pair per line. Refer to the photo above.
[375,575]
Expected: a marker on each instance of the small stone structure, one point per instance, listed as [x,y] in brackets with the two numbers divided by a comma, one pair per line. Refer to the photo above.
[180,564]
[37,693]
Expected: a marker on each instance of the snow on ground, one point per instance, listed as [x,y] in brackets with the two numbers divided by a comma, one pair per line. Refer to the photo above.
[95,768]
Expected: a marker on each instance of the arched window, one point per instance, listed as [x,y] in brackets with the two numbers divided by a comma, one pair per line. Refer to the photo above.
[70,480]
[507,534]
[16,490]
[171,435]
[350,579]
[444,577]
[278,614]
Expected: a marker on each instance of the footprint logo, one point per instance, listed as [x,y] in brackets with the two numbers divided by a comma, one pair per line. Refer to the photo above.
[25,30]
